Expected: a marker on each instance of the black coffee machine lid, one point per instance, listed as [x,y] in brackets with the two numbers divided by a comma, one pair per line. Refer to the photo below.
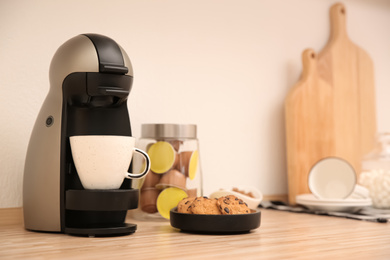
[109,54]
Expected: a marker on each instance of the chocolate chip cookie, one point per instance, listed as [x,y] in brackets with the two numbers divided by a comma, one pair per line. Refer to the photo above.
[204,205]
[184,205]
[229,205]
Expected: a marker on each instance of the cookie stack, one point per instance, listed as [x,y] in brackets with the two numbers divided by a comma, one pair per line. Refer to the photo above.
[226,205]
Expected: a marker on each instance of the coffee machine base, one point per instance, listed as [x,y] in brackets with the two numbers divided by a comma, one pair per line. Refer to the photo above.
[100,212]
[102,230]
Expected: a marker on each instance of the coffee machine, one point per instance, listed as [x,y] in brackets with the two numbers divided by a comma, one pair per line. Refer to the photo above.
[90,80]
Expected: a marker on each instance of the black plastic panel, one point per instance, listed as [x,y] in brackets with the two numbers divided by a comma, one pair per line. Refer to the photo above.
[95,104]
[102,200]
[93,89]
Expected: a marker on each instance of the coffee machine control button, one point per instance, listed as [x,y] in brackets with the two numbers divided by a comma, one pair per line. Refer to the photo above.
[49,121]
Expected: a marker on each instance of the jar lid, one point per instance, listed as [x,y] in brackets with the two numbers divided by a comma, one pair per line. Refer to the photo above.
[168,131]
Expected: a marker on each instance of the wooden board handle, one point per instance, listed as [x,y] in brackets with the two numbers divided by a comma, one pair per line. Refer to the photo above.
[338,26]
[309,63]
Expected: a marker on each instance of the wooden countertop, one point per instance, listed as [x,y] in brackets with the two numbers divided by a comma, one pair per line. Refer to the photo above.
[282,235]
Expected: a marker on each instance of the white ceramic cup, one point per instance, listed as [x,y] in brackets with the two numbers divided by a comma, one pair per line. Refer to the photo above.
[332,178]
[102,161]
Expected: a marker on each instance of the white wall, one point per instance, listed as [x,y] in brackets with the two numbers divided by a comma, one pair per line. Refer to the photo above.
[224,65]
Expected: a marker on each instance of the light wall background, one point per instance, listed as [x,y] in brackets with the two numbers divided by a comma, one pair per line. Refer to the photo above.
[225,65]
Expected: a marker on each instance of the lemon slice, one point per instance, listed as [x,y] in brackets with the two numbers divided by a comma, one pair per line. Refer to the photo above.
[162,157]
[193,167]
[168,199]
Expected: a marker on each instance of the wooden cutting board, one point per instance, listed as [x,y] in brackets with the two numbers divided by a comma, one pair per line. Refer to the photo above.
[308,109]
[331,111]
[350,71]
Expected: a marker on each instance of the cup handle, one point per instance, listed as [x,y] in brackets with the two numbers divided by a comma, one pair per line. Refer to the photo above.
[130,175]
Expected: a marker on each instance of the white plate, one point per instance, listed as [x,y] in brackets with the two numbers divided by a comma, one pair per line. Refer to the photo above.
[338,205]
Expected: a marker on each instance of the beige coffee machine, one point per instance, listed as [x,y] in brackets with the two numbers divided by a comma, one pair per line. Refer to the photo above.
[90,80]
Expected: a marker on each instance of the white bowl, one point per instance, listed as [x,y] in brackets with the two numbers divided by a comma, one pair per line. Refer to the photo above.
[253,203]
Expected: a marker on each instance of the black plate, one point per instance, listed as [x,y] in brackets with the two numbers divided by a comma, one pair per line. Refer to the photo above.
[214,224]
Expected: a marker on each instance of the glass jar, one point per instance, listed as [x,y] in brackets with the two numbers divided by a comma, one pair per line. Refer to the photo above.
[375,175]
[175,171]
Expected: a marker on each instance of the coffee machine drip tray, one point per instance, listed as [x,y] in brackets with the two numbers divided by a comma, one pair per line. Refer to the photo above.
[102,200]
[102,230]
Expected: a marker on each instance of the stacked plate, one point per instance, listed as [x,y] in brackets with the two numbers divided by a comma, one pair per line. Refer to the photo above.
[332,182]
[339,205]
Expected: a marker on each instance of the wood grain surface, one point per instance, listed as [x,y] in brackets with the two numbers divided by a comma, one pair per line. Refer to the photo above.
[331,111]
[282,235]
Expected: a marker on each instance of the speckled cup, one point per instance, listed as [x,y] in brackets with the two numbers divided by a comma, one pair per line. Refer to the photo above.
[102,161]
